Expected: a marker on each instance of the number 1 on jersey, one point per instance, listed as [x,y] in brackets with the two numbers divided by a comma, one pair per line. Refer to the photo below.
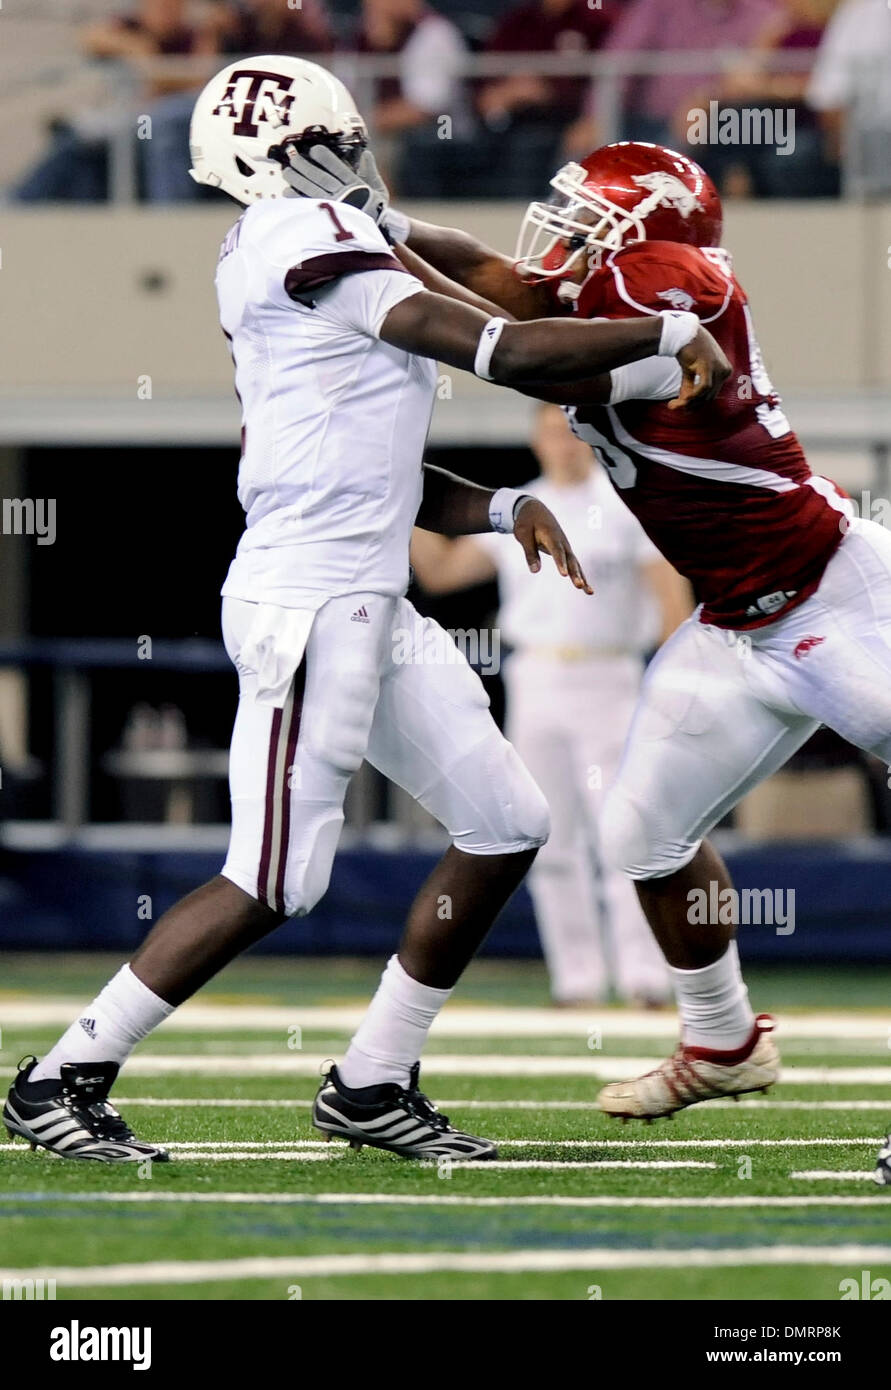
[341,234]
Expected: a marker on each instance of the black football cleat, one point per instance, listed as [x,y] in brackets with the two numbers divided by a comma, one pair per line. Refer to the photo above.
[882,1174]
[72,1117]
[393,1117]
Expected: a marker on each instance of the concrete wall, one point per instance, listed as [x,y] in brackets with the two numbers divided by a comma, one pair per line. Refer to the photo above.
[92,300]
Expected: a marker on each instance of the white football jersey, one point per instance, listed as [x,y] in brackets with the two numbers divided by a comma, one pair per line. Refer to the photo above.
[334,421]
[544,610]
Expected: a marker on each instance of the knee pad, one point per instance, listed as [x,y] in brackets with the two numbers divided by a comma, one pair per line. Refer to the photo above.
[309,863]
[335,732]
[492,803]
[637,841]
[531,820]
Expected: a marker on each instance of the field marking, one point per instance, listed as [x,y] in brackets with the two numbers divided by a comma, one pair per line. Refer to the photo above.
[262,1145]
[198,1153]
[414,1199]
[511,1164]
[216,1156]
[286,1103]
[198,1016]
[825,1175]
[297,1064]
[432,1262]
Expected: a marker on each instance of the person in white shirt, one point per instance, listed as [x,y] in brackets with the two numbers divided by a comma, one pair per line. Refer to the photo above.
[850,87]
[332,341]
[571,681]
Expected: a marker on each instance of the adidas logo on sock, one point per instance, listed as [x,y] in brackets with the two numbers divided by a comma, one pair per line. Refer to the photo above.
[89,1027]
[360,615]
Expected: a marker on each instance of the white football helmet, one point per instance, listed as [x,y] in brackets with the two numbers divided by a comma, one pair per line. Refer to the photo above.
[250,111]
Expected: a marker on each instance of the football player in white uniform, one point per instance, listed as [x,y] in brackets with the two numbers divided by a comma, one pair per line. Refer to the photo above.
[333,343]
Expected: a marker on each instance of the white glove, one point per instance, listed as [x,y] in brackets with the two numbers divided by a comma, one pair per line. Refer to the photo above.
[323,174]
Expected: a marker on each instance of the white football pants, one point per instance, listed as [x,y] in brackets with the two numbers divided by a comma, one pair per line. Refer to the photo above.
[720,711]
[363,677]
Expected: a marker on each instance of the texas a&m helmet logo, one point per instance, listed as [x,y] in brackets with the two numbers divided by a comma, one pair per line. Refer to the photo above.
[668,192]
[253,95]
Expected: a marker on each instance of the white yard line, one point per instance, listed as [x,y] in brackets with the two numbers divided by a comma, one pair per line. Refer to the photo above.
[595,1068]
[261,1146]
[512,1164]
[190,1152]
[457,1021]
[323,1153]
[827,1175]
[432,1262]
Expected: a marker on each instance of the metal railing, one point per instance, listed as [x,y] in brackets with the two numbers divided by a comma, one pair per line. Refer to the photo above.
[607,72]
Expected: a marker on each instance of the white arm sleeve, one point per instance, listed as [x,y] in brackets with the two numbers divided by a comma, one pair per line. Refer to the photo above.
[651,379]
[360,302]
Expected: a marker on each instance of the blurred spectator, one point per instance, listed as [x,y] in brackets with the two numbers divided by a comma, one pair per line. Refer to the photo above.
[425,104]
[534,113]
[76,167]
[655,108]
[270,26]
[851,89]
[796,27]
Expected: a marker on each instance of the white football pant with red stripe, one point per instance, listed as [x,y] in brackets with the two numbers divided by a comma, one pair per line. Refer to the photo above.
[363,677]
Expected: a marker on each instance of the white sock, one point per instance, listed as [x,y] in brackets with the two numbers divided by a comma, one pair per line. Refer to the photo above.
[714,1003]
[390,1037]
[108,1029]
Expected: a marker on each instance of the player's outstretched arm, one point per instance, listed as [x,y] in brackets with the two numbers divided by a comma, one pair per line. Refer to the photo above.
[452,506]
[459,257]
[477,268]
[552,350]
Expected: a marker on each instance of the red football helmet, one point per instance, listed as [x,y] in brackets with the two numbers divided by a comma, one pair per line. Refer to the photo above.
[629,191]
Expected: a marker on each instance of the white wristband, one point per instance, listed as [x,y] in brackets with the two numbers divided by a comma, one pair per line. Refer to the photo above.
[503,507]
[487,344]
[395,225]
[678,329]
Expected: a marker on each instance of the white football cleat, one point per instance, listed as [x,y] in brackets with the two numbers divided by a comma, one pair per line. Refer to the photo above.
[693,1074]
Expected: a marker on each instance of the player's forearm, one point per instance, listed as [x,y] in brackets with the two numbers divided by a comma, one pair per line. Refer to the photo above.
[550,350]
[475,266]
[455,253]
[561,351]
[593,390]
[434,280]
[453,506]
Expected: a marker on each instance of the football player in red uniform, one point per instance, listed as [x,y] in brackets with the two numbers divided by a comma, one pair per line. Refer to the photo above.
[794,623]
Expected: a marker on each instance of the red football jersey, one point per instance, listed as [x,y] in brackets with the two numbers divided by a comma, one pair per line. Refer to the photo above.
[723,489]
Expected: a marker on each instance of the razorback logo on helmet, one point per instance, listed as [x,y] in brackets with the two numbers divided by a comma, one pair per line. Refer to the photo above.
[668,192]
[267,97]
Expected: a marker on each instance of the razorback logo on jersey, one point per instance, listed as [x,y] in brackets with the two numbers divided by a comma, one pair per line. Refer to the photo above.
[806,645]
[678,299]
[267,97]
[634,279]
[668,192]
